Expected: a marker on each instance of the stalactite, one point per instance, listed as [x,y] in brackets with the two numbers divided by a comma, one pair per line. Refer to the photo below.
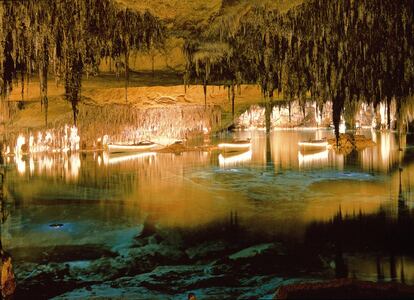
[43,72]
[205,92]
[126,74]
[71,33]
[338,104]
[233,96]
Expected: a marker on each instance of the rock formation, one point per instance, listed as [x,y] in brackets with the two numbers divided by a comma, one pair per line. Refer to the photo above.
[348,142]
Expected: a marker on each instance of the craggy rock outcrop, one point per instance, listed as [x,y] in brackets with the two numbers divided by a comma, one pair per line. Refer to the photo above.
[348,142]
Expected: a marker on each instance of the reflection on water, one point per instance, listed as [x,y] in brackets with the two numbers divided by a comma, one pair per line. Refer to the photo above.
[273,188]
[309,159]
[386,154]
[126,157]
[235,158]
[64,166]
[274,169]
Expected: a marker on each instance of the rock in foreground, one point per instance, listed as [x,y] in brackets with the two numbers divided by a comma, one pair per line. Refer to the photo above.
[345,289]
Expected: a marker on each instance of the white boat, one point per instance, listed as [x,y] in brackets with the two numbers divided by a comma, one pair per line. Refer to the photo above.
[225,160]
[236,145]
[142,146]
[313,144]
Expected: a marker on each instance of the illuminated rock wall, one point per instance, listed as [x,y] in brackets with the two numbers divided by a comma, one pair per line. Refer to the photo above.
[125,123]
[283,117]
[122,123]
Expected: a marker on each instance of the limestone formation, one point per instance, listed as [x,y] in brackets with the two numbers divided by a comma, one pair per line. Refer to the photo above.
[347,142]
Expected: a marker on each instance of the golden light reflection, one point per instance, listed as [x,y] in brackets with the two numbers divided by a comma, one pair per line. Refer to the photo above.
[189,189]
[45,164]
[62,165]
[21,140]
[21,164]
[31,165]
[286,153]
[327,197]
[385,155]
[164,190]
[72,171]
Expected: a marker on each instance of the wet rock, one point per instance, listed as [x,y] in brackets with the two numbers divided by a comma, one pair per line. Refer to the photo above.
[147,229]
[45,281]
[107,291]
[219,267]
[61,253]
[146,258]
[252,251]
[207,249]
[205,281]
[99,270]
[260,287]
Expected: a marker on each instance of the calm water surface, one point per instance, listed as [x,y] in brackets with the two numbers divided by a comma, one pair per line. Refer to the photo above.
[317,200]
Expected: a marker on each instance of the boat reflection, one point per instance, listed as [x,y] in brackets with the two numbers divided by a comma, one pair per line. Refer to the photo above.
[310,158]
[234,158]
[110,160]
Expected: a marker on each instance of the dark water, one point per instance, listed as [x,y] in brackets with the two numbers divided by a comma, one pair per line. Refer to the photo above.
[220,225]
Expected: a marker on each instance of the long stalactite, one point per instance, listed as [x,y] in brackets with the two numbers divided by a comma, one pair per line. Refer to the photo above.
[72,36]
[340,51]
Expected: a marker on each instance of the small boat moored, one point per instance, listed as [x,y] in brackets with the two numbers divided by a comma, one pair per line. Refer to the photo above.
[141,146]
[237,145]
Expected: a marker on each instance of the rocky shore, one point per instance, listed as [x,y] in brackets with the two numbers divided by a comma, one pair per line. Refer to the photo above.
[167,264]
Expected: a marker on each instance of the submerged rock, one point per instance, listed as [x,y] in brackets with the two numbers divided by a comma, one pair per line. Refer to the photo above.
[251,251]
[206,249]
